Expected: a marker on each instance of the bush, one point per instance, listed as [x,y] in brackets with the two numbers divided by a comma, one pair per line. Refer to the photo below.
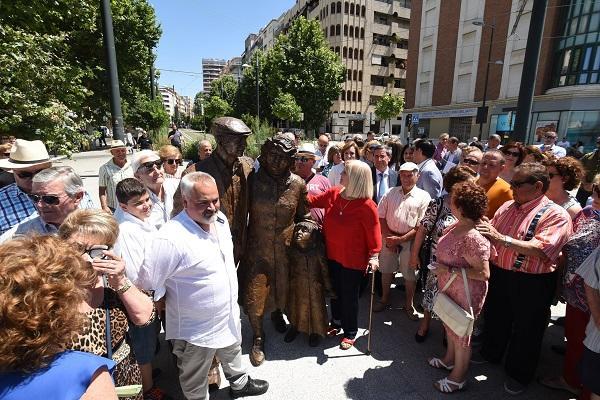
[261,131]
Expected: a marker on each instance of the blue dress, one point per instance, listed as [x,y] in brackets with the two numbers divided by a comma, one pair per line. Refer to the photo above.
[67,377]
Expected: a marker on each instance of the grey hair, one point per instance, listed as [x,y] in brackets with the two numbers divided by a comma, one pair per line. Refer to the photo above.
[72,181]
[188,181]
[140,155]
[495,136]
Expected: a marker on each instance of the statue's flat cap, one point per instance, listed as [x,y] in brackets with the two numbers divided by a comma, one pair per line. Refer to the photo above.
[230,126]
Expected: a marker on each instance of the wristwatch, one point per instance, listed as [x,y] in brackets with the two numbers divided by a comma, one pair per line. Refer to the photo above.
[507,240]
[125,287]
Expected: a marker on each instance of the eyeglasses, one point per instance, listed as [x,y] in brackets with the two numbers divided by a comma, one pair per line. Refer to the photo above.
[149,166]
[303,159]
[49,199]
[25,174]
[518,184]
[96,251]
[470,161]
[512,153]
[172,161]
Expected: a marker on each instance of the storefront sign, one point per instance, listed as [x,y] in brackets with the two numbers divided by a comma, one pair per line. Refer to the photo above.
[462,112]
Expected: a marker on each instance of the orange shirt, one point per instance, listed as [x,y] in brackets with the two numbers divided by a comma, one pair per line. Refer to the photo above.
[498,193]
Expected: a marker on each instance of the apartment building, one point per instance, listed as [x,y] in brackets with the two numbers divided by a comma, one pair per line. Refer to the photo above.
[452,53]
[211,69]
[371,39]
[172,101]
[234,68]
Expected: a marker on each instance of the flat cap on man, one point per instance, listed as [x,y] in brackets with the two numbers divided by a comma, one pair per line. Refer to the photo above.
[230,126]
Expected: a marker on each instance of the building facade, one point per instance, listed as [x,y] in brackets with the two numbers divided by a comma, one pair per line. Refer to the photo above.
[173,102]
[453,52]
[211,69]
[371,39]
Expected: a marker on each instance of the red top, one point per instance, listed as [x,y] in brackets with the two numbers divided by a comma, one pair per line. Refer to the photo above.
[351,228]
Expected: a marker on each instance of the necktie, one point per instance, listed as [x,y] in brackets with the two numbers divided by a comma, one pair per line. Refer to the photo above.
[383,185]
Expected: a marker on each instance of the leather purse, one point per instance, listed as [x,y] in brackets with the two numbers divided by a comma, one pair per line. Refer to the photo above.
[459,320]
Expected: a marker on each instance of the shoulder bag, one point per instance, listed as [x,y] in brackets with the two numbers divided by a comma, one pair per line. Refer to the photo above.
[459,320]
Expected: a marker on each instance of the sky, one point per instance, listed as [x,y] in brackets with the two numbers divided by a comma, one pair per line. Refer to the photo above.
[197,29]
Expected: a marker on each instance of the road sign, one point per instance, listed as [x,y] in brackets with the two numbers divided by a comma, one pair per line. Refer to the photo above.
[415,118]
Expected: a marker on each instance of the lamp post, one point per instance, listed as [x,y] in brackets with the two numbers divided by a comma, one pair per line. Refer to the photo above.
[492,26]
[257,73]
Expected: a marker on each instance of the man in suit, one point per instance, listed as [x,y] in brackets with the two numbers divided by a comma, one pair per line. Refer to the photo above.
[430,177]
[384,178]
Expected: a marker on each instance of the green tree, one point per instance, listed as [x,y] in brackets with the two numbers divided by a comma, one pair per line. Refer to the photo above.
[285,108]
[226,88]
[389,106]
[149,114]
[246,101]
[302,65]
[216,107]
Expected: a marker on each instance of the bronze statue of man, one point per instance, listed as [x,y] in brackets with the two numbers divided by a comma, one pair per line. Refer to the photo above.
[230,168]
[277,201]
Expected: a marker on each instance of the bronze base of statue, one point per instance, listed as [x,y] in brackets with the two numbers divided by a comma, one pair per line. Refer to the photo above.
[257,353]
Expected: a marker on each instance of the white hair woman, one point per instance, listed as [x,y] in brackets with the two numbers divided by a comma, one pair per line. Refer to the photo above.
[353,241]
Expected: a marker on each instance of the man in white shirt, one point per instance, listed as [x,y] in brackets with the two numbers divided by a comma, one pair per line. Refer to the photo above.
[400,212]
[323,147]
[111,173]
[191,262]
[550,145]
[134,233]
[564,143]
[452,157]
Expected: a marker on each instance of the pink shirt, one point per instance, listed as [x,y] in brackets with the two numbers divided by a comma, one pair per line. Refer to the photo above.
[318,184]
[552,232]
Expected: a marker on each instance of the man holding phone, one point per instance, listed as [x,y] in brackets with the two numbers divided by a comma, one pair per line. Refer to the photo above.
[400,211]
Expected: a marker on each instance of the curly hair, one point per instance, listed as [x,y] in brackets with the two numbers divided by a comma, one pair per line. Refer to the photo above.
[470,199]
[457,175]
[42,284]
[569,168]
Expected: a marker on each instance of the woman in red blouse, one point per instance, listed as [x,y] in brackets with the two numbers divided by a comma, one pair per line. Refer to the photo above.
[353,240]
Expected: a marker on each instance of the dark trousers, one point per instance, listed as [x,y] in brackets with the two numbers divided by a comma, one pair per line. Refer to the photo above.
[516,315]
[346,285]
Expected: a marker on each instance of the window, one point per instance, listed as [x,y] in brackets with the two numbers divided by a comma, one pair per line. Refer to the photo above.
[332,30]
[343,95]
[359,96]
[356,32]
[339,7]
[376,59]
[363,11]
[356,54]
[332,8]
[354,95]
[382,40]
[374,99]
[349,75]
[345,52]
[352,9]
[400,83]
[351,32]
[380,18]
[377,80]
[360,76]
[346,7]
[338,29]
[361,54]
[348,95]
[362,33]
[345,30]
[354,75]
[337,49]
[461,127]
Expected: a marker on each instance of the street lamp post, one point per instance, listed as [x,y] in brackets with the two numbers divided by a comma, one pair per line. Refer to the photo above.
[257,73]
[492,26]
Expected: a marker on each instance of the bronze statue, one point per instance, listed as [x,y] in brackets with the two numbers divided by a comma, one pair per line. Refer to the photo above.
[230,168]
[309,284]
[277,200]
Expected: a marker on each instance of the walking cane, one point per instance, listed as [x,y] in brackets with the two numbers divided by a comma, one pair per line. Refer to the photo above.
[371,312]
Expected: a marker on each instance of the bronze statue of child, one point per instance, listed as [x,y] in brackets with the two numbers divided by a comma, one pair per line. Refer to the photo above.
[309,284]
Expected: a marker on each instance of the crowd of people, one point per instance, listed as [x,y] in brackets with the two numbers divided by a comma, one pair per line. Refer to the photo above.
[497,232]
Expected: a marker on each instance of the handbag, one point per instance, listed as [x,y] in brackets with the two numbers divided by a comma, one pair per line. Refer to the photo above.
[459,320]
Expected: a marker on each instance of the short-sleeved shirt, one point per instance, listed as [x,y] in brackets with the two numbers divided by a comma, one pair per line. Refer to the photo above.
[109,175]
[316,185]
[590,272]
[552,232]
[498,193]
[556,150]
[403,212]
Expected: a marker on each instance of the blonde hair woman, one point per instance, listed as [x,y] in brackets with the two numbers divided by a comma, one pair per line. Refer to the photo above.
[353,240]
[172,161]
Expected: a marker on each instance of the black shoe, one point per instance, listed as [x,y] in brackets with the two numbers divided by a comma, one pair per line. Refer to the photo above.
[313,340]
[291,334]
[278,321]
[254,387]
[421,338]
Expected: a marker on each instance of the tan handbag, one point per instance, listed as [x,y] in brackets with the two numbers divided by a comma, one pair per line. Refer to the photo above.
[454,316]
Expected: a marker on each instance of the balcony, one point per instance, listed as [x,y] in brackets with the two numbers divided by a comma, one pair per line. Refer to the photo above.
[382,29]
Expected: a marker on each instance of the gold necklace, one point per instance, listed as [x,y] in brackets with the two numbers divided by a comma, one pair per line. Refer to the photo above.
[343,208]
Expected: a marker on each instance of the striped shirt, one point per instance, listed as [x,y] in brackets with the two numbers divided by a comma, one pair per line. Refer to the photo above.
[589,270]
[109,175]
[551,233]
[403,212]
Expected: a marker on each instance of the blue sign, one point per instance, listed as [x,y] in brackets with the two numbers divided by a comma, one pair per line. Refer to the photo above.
[415,118]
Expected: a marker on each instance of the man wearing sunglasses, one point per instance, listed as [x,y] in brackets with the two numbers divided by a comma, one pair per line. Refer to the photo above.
[148,168]
[523,275]
[55,192]
[550,138]
[111,173]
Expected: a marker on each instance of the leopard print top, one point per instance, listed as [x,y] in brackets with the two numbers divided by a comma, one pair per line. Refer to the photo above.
[93,340]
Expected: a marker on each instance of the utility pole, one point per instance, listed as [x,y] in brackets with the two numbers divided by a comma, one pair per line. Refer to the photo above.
[530,67]
[113,76]
[152,86]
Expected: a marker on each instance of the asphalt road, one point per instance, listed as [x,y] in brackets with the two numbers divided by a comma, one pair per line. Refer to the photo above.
[396,369]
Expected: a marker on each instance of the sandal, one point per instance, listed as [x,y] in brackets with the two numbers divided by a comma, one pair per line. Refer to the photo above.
[333,330]
[447,386]
[439,364]
[346,343]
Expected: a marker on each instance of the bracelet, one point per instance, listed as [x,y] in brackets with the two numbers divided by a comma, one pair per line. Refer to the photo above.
[125,287]
[507,240]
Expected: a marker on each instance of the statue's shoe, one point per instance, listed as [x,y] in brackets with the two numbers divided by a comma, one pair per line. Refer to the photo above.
[257,353]
[278,321]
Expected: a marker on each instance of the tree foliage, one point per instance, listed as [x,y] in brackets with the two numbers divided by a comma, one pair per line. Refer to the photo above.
[247,89]
[226,88]
[389,106]
[302,65]
[148,114]
[53,79]
[216,107]
[286,108]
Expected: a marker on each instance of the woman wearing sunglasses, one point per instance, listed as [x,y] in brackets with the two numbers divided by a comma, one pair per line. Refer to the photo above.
[172,161]
[565,175]
[111,295]
[513,155]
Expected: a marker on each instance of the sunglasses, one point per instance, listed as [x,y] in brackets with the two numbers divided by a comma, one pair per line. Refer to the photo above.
[518,184]
[25,174]
[512,153]
[470,161]
[172,161]
[149,166]
[96,251]
[48,199]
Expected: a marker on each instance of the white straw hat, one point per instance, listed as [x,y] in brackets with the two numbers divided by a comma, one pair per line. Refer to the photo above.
[26,153]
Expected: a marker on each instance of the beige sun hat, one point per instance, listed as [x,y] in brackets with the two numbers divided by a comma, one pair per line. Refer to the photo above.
[27,153]
[116,143]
